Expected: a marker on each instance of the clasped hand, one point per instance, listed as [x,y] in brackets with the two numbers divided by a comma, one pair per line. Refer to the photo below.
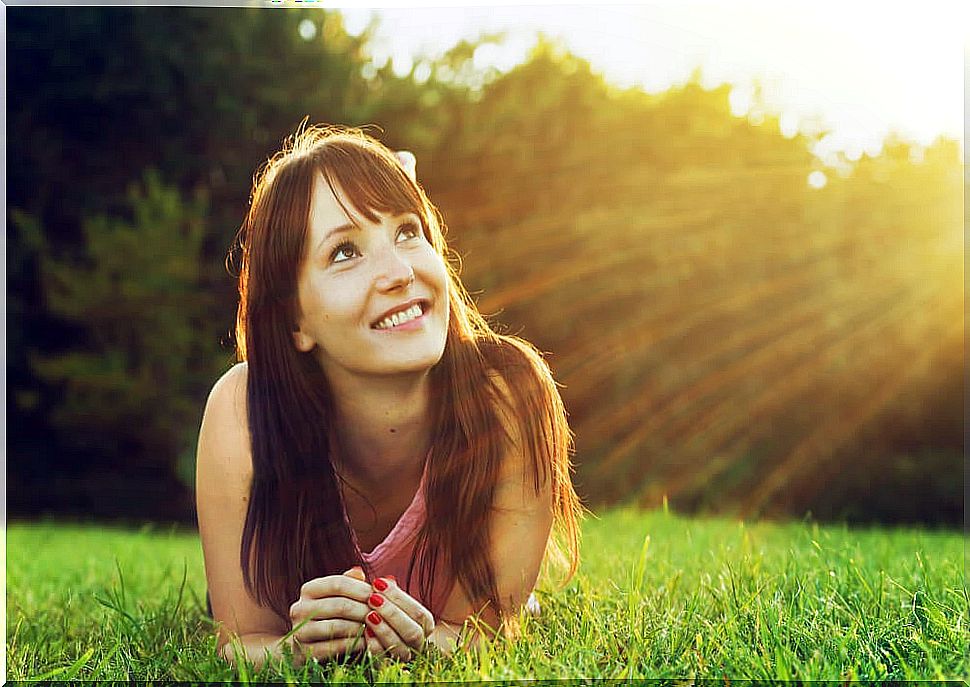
[340,614]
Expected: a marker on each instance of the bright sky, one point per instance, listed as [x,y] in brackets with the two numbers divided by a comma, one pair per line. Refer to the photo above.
[862,68]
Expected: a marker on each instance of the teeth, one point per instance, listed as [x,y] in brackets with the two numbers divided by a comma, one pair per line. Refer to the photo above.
[400,317]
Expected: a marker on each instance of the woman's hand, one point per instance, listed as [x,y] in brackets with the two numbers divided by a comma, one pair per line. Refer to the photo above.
[396,620]
[328,618]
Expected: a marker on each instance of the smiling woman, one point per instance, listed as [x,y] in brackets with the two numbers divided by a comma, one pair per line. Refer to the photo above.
[360,284]
[380,471]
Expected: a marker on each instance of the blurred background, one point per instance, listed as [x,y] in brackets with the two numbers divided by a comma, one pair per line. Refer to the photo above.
[737,234]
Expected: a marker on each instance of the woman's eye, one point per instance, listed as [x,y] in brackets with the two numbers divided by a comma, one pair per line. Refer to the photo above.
[344,252]
[408,231]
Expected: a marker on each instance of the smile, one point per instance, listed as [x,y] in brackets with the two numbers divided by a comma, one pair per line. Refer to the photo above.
[402,317]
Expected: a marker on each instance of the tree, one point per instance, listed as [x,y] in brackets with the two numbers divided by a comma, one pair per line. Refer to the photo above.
[97,95]
[131,383]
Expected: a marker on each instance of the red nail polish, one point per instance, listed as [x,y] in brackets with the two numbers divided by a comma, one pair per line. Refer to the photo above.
[379,584]
[376,600]
[373,618]
[391,578]
[369,632]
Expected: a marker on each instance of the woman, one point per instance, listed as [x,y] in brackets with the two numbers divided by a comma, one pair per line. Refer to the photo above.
[380,467]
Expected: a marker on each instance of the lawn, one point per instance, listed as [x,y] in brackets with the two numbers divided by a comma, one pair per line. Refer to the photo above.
[657,596]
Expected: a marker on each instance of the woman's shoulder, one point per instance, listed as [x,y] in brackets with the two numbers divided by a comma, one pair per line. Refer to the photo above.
[516,367]
[234,377]
[521,383]
[225,425]
[530,410]
[230,388]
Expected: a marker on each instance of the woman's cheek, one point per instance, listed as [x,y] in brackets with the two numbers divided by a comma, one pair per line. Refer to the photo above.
[441,270]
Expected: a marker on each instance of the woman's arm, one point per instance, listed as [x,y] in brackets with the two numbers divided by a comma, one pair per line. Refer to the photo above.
[257,648]
[223,476]
[519,530]
[246,628]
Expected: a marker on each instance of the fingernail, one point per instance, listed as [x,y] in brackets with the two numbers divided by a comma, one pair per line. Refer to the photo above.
[391,578]
[373,618]
[376,600]
[369,632]
[379,584]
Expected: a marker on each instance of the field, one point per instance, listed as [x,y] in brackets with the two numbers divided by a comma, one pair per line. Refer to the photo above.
[657,596]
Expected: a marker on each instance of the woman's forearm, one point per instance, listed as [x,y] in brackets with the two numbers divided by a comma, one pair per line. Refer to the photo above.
[448,637]
[257,648]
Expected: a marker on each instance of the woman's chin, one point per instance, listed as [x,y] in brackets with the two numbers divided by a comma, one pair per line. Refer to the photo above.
[402,362]
[409,356]
[417,365]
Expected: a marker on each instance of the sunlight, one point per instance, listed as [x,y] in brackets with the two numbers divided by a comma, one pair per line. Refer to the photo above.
[307,30]
[788,124]
[741,99]
[858,72]
[422,73]
[401,64]
[853,152]
[817,179]
[502,57]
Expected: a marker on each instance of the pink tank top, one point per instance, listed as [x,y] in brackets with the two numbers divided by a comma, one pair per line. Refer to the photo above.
[393,555]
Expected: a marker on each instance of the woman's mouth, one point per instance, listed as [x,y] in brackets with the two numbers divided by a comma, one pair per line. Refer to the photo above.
[403,317]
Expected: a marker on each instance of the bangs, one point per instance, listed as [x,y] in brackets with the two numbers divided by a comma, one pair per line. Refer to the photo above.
[371,180]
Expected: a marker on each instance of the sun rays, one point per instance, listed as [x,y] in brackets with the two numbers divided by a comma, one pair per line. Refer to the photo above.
[729,326]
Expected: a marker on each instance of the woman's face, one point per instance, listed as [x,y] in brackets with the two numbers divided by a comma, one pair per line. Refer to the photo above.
[373,297]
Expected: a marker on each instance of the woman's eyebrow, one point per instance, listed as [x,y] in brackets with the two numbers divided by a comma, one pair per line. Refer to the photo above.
[336,230]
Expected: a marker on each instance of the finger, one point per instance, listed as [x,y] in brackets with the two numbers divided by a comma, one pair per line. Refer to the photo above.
[393,644]
[404,625]
[357,573]
[378,653]
[329,608]
[374,647]
[389,588]
[334,585]
[323,651]
[325,630]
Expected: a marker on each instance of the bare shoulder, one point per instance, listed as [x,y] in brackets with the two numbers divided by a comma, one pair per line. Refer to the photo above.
[531,411]
[225,423]
[507,404]
[519,369]
[224,471]
[224,464]
[518,381]
[231,386]
[520,459]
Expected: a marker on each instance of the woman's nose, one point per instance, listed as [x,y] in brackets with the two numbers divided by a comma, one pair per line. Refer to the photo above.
[393,272]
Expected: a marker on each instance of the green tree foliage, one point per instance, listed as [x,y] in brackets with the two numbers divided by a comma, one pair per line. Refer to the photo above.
[199,93]
[129,384]
[97,96]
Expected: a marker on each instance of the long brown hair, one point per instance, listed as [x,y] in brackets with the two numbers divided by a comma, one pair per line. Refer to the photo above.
[296,528]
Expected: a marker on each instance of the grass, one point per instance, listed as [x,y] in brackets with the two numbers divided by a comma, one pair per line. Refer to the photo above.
[658,596]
